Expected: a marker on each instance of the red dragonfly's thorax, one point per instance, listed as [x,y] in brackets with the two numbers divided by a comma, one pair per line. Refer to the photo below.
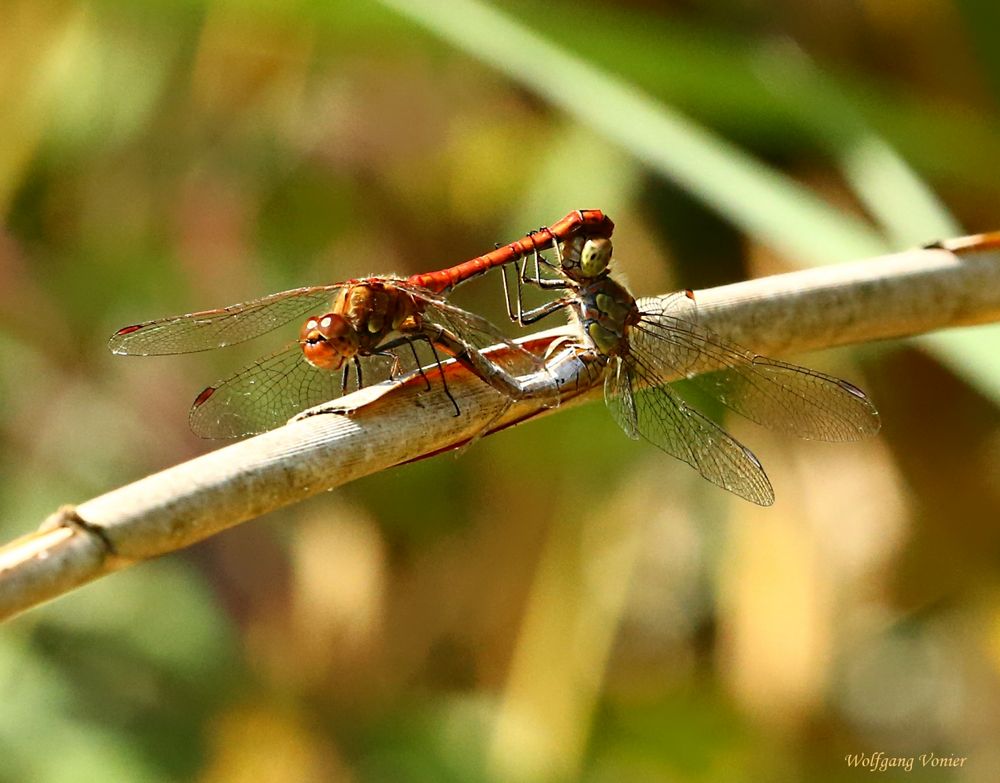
[360,318]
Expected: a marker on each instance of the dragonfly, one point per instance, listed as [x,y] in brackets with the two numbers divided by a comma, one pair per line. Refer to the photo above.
[359,326]
[645,343]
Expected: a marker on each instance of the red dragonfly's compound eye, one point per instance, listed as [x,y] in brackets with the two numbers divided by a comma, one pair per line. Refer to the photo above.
[328,341]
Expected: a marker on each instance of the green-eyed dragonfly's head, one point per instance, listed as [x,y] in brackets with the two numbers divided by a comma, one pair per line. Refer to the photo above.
[585,259]
[328,341]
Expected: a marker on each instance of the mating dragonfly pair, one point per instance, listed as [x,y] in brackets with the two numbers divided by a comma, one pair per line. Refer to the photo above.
[361,326]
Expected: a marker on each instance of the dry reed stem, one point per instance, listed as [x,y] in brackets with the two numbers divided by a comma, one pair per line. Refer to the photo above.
[892,296]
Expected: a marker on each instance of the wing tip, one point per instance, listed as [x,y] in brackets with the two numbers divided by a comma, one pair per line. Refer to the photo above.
[204,425]
[116,343]
[203,397]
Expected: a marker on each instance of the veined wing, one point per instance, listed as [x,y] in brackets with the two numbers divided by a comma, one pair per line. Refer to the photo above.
[645,406]
[270,391]
[209,329]
[784,397]
[475,331]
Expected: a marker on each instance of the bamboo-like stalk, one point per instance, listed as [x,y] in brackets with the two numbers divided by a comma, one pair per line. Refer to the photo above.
[891,296]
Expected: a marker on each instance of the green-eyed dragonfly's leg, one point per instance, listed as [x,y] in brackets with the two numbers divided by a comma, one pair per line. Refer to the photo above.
[532,316]
[479,365]
[514,316]
[518,314]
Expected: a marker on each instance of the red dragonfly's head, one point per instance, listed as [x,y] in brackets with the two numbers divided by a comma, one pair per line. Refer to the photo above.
[328,341]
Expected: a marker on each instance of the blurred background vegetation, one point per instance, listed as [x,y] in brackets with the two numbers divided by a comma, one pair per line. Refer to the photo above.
[559,603]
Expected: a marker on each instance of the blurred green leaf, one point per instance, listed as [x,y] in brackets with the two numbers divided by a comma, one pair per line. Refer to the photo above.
[752,195]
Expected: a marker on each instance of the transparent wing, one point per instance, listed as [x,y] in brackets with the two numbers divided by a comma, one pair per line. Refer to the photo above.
[620,397]
[217,328]
[270,391]
[783,397]
[477,333]
[644,405]
[474,330]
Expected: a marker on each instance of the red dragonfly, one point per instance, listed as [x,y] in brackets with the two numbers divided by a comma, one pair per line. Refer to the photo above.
[362,324]
[645,343]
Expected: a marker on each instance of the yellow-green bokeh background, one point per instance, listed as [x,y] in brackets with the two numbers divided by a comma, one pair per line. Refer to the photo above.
[559,603]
